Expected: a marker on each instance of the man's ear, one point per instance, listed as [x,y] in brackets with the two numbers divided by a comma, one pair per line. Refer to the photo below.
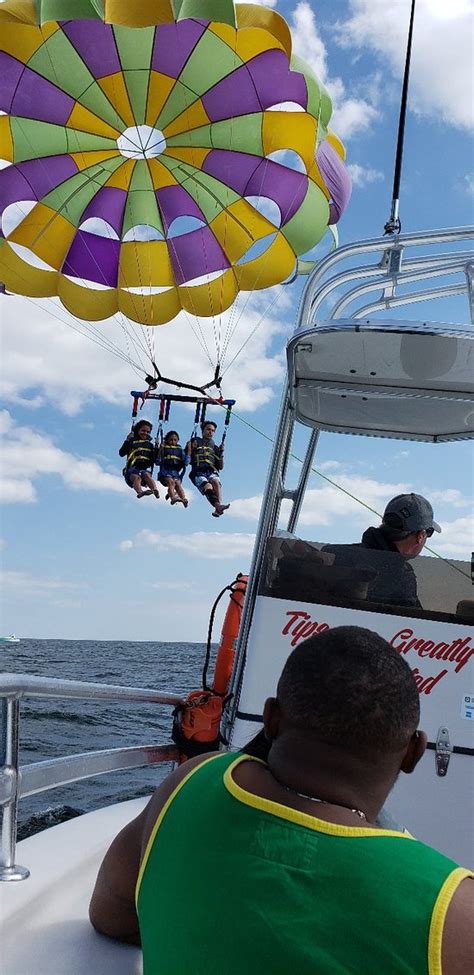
[415,750]
[271,718]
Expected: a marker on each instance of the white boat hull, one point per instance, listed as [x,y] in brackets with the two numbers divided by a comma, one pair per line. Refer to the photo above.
[45,924]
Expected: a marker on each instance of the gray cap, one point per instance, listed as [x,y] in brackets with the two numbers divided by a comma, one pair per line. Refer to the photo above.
[409,513]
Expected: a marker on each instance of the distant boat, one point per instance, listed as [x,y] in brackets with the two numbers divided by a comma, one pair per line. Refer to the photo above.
[10,639]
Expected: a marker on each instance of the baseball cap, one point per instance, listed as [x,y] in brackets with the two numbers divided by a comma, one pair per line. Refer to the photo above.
[409,513]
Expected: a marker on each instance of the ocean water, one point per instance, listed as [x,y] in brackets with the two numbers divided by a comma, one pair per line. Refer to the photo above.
[54,727]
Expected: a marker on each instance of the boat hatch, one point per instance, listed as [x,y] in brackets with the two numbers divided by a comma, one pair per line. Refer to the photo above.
[392,379]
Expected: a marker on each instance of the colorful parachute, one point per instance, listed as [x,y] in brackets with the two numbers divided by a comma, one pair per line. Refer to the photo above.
[149,144]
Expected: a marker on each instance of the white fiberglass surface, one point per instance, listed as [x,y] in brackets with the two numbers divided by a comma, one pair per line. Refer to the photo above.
[45,925]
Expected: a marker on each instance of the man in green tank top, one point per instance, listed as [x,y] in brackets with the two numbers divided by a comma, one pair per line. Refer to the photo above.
[241,867]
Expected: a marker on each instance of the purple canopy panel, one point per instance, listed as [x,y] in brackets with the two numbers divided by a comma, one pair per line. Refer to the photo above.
[174,201]
[285,186]
[275,82]
[108,204]
[232,96]
[173,45]
[95,43]
[93,258]
[37,98]
[234,169]
[195,254]
[11,71]
[337,178]
[33,179]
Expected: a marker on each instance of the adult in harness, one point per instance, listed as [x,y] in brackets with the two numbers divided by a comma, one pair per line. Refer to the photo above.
[207,459]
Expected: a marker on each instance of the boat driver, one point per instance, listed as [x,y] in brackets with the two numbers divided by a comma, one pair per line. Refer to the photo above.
[407,524]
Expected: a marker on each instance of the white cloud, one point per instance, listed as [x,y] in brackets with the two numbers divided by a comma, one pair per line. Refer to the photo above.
[14,491]
[50,356]
[450,496]
[441,66]
[469,184]
[456,539]
[31,585]
[351,114]
[126,545]
[36,455]
[325,505]
[204,545]
[363,175]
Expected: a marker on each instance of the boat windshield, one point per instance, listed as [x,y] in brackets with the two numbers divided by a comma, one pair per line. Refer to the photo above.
[356,577]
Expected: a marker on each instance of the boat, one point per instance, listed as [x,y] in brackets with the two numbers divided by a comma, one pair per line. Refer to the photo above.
[348,369]
[10,639]
[362,396]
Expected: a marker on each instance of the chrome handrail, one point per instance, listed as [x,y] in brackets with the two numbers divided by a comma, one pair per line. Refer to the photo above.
[16,782]
[392,271]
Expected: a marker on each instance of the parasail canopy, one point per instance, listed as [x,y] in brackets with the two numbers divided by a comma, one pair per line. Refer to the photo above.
[159,155]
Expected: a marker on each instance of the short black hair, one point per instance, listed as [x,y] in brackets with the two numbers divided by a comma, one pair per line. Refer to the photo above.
[351,689]
[170,433]
[205,423]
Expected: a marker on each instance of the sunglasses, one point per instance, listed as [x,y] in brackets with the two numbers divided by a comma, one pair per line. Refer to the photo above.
[428,532]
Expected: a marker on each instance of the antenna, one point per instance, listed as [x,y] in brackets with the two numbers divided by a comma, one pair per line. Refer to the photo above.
[393,225]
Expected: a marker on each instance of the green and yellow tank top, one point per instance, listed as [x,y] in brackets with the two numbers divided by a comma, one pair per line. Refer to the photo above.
[233,884]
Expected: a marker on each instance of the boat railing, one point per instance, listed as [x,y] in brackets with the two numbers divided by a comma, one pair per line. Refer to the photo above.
[396,273]
[17,782]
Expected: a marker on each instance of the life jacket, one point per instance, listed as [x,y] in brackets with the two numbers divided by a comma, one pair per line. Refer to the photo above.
[172,458]
[141,454]
[203,456]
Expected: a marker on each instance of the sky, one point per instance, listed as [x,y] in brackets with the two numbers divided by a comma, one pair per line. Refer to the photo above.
[81,556]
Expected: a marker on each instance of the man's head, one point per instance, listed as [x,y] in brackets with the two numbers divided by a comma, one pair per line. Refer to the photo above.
[408,521]
[349,689]
[143,429]
[208,429]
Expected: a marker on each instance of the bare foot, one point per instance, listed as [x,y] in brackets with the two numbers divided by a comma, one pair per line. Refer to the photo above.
[185,502]
[216,513]
[174,500]
[220,508]
[144,494]
[156,493]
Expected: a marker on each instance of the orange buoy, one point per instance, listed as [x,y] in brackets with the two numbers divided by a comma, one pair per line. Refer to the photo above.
[230,631]
[196,727]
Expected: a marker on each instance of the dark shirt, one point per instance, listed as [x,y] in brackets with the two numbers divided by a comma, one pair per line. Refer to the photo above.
[395,582]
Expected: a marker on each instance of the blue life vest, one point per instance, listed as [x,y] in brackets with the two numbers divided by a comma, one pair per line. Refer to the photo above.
[172,458]
[141,454]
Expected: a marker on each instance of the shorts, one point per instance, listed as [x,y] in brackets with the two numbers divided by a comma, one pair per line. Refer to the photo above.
[167,472]
[200,480]
[132,472]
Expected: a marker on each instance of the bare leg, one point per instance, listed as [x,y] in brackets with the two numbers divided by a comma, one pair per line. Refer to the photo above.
[171,489]
[137,486]
[220,508]
[180,492]
[150,483]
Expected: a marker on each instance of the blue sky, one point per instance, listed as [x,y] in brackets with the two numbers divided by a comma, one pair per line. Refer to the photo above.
[81,556]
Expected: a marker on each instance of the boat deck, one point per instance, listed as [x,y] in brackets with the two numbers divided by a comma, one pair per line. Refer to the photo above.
[46,917]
